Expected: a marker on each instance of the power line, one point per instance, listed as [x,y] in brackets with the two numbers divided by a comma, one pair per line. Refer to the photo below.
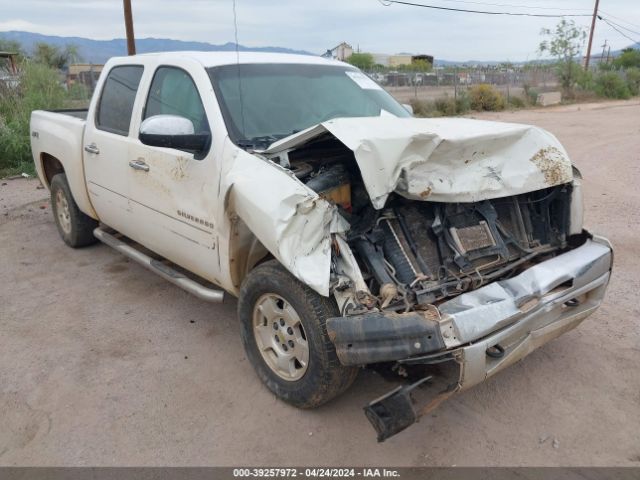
[387,3]
[616,29]
[623,27]
[514,6]
[620,19]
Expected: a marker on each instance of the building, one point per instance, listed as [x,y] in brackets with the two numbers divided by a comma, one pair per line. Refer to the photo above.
[339,52]
[9,69]
[86,74]
[394,61]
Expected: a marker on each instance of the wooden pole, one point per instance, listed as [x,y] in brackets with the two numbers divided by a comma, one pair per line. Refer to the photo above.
[593,27]
[128,22]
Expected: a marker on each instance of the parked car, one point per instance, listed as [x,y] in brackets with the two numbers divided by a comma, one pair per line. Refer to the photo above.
[352,234]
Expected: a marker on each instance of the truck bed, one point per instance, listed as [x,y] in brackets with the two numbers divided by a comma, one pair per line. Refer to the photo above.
[80,113]
[58,134]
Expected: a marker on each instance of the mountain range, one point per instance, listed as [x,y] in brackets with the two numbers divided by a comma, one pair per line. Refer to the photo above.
[99,51]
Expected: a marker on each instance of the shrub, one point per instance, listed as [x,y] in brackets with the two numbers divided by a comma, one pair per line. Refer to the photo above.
[446,106]
[485,97]
[611,85]
[39,88]
[633,80]
[441,107]
[463,103]
[516,102]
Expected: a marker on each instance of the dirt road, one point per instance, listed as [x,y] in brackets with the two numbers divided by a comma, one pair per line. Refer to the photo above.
[103,363]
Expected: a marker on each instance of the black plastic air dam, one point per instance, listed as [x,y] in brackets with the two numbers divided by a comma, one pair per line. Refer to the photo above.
[382,337]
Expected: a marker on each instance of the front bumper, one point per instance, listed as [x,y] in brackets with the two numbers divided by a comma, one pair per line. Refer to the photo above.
[488,329]
[519,314]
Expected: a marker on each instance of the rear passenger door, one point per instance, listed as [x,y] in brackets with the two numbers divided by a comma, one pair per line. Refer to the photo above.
[174,197]
[106,146]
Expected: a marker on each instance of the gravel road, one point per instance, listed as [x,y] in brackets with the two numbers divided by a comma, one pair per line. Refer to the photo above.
[103,363]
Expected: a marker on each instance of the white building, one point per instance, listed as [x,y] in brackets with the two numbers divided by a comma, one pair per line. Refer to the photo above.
[340,52]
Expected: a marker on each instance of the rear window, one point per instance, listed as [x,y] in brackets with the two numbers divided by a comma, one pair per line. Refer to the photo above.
[118,95]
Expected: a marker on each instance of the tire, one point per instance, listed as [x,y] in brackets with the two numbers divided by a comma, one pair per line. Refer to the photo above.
[275,296]
[75,228]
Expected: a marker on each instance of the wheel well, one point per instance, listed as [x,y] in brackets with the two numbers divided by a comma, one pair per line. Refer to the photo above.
[246,252]
[51,166]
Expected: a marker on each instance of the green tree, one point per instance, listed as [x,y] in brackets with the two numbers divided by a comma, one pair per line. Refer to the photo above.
[363,61]
[11,46]
[629,58]
[565,43]
[55,57]
[419,66]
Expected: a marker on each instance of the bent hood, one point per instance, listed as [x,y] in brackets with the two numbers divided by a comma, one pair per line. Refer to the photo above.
[444,159]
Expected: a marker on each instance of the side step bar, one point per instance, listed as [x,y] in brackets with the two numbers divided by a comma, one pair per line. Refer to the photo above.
[166,272]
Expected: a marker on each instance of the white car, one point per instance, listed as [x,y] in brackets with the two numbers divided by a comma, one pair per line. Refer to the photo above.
[352,233]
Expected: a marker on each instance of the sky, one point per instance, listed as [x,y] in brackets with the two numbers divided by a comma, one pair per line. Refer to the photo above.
[317,25]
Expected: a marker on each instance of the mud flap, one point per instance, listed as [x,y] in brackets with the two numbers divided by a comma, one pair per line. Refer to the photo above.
[393,412]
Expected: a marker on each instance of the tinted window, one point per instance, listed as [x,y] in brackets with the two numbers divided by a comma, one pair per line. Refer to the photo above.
[118,96]
[173,92]
[262,103]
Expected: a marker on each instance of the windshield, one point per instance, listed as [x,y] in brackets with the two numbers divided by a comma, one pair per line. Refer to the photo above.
[262,103]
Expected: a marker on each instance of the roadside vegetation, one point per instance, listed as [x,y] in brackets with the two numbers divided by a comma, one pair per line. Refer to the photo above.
[38,85]
[617,79]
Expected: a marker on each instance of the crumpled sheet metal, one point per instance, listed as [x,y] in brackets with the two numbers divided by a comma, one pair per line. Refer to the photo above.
[445,159]
[290,220]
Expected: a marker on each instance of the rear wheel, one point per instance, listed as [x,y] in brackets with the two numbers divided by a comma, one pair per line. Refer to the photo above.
[75,228]
[285,338]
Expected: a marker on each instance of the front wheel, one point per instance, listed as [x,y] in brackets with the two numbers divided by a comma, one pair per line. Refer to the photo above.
[285,337]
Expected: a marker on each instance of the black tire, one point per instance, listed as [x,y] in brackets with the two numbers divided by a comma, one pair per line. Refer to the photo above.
[325,377]
[78,231]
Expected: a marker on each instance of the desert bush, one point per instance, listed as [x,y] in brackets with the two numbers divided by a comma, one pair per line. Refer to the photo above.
[611,85]
[38,88]
[485,97]
[463,103]
[446,106]
[441,107]
[516,102]
[633,80]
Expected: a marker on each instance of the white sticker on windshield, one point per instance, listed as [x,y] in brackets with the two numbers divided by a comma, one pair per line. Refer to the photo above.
[363,81]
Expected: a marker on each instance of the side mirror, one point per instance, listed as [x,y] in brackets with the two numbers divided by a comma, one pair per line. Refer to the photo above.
[172,131]
[408,108]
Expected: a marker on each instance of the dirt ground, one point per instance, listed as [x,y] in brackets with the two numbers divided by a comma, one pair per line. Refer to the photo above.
[103,363]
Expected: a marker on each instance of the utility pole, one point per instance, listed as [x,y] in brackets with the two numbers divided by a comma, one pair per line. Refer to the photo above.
[128,22]
[593,27]
[604,49]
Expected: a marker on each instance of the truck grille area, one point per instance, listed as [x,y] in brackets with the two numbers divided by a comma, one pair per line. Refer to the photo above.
[422,252]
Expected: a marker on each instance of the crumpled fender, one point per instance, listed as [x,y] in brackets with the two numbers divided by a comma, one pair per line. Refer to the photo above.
[290,220]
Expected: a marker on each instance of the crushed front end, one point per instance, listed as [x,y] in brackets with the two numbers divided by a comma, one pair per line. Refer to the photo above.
[470,257]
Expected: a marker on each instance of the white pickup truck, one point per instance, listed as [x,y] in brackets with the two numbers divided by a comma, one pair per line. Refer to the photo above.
[352,233]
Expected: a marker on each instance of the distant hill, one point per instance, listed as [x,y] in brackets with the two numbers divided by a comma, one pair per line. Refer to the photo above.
[99,51]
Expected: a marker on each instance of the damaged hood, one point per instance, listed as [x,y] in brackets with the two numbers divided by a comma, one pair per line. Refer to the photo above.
[444,159]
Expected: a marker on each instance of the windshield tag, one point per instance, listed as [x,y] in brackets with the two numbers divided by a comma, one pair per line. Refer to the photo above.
[363,81]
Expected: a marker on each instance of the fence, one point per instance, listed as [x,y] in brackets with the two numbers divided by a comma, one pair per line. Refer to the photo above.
[405,86]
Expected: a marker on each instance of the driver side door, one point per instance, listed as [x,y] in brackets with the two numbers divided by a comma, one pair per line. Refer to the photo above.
[171,196]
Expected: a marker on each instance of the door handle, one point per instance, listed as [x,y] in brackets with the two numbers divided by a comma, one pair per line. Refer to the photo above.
[91,148]
[139,165]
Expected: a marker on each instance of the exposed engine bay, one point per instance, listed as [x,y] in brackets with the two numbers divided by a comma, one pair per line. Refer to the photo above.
[414,254]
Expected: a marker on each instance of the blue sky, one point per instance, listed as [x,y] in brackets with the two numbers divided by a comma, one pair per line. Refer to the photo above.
[317,25]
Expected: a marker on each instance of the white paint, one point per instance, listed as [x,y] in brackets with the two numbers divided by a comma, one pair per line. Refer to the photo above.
[444,159]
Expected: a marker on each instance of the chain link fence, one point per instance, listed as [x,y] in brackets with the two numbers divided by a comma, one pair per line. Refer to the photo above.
[449,82]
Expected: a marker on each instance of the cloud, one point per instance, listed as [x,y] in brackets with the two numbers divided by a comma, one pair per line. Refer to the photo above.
[316,25]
